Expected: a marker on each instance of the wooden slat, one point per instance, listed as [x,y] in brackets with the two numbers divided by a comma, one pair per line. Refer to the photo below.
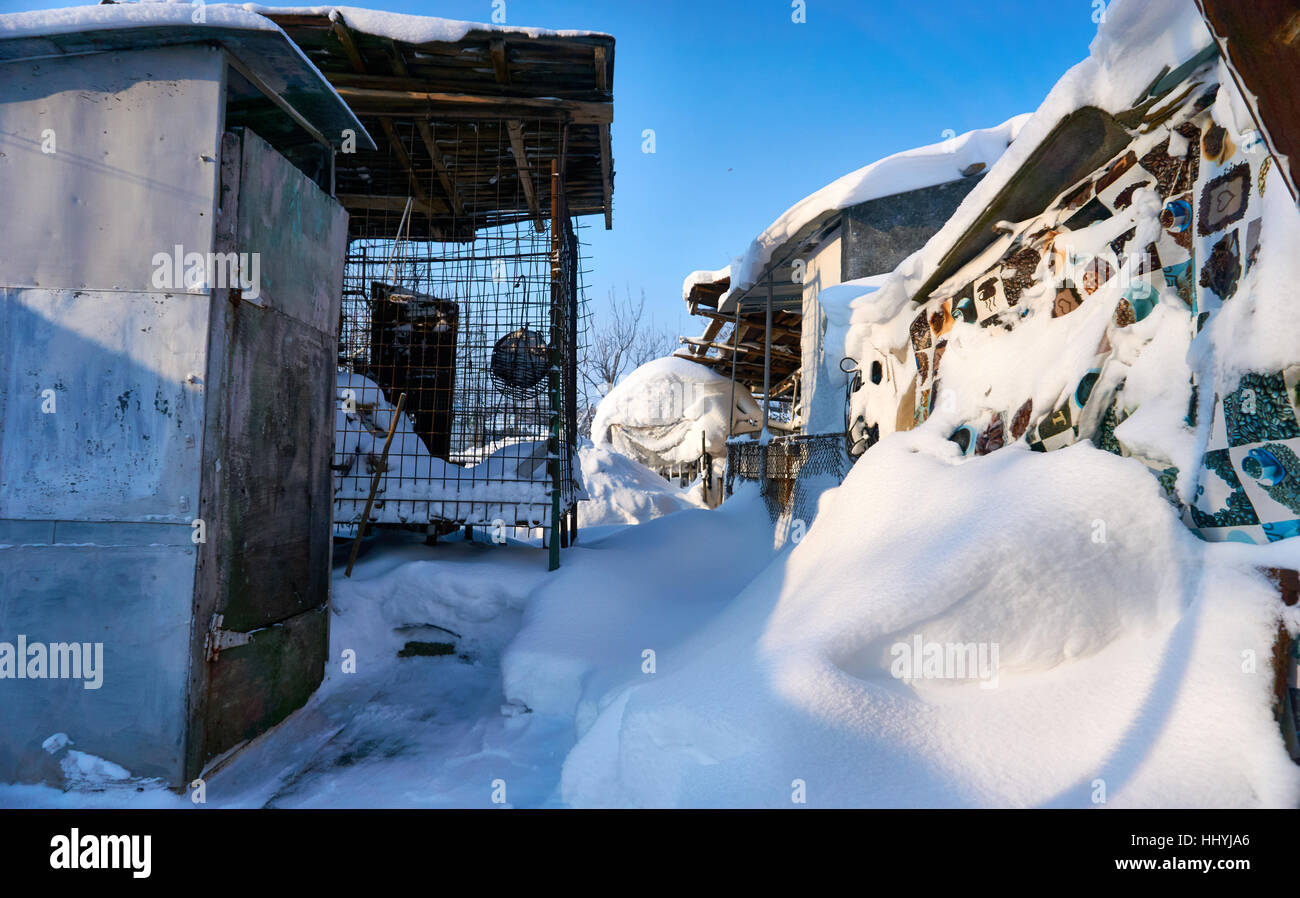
[381,203]
[349,44]
[606,177]
[602,70]
[454,200]
[776,329]
[516,130]
[404,160]
[500,67]
[368,101]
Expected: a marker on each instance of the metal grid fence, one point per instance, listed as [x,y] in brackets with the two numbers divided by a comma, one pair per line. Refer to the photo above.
[792,472]
[471,330]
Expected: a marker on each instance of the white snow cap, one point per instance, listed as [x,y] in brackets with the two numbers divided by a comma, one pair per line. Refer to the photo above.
[913,169]
[117,15]
[669,410]
[410,29]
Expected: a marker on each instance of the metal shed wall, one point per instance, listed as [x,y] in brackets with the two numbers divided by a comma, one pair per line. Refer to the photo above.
[96,498]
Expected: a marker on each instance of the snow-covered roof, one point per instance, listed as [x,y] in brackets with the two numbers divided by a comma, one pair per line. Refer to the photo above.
[412,29]
[914,169]
[255,40]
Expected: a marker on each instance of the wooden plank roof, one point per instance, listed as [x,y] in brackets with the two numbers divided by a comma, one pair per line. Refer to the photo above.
[466,128]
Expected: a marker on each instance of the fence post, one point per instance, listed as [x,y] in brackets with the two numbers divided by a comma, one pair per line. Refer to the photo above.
[553,444]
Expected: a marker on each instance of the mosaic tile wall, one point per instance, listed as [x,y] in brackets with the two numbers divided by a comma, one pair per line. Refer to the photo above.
[1209,237]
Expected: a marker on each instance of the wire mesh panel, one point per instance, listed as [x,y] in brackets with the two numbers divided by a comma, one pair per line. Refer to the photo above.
[470,329]
[792,473]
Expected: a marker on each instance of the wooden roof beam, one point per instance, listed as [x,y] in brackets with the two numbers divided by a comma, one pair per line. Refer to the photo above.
[454,200]
[516,130]
[344,35]
[500,65]
[371,101]
[404,160]
[750,322]
[606,151]
[382,203]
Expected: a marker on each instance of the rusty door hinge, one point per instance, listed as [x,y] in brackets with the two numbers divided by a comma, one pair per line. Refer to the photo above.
[219,639]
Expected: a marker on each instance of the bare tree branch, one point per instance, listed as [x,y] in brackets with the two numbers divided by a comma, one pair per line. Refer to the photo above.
[624,339]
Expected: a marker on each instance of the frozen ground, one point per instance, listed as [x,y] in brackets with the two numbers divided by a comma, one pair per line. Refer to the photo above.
[681,662]
[437,731]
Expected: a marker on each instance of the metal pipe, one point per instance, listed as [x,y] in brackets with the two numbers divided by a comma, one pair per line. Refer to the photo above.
[767,362]
[735,343]
[553,445]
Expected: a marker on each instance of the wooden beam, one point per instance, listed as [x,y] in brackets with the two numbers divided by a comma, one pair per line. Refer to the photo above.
[440,165]
[383,203]
[516,130]
[454,200]
[606,176]
[500,66]
[358,64]
[606,153]
[777,352]
[602,71]
[349,45]
[368,101]
[404,160]
[726,319]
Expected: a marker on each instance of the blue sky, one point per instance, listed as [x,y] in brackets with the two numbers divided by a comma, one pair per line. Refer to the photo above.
[752,112]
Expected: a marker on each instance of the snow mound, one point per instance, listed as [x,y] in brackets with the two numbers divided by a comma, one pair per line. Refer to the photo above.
[1119,644]
[670,411]
[622,491]
[509,480]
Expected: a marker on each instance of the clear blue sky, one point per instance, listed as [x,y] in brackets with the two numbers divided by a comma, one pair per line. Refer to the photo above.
[753,112]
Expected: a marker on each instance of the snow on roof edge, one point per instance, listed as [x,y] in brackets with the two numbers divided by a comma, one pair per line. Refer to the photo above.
[901,172]
[75,19]
[413,29]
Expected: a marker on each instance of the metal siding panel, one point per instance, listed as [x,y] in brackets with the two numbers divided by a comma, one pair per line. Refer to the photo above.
[133,173]
[299,233]
[135,600]
[123,441]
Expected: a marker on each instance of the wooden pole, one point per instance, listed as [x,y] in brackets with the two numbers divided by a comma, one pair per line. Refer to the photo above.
[374,485]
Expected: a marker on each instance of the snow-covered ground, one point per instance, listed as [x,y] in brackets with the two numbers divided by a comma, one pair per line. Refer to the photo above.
[424,730]
[681,662]
[991,626]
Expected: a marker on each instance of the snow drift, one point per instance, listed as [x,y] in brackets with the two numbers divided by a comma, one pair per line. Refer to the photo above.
[1120,644]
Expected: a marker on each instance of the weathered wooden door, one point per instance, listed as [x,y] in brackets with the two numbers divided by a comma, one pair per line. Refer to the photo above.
[267,498]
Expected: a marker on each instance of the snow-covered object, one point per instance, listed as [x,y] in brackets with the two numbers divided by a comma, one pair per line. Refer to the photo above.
[1149,307]
[510,483]
[1105,644]
[411,29]
[670,411]
[119,15]
[622,491]
[703,277]
[908,170]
